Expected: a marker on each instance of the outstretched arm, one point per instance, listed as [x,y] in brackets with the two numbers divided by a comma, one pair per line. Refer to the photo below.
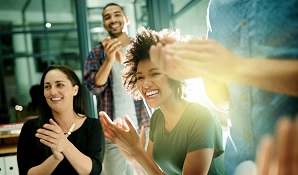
[210,59]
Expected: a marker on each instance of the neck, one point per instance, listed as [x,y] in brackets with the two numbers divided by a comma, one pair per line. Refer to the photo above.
[124,39]
[65,120]
[173,111]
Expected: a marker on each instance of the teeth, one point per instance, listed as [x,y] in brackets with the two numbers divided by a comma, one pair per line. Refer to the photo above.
[115,26]
[152,92]
[55,99]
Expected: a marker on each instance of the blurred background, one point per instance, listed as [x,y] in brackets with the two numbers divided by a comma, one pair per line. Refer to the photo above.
[37,33]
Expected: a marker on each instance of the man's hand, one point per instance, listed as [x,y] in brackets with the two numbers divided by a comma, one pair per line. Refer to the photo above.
[279,155]
[113,49]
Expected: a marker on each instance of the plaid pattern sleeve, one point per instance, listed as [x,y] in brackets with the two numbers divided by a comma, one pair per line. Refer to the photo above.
[142,113]
[93,63]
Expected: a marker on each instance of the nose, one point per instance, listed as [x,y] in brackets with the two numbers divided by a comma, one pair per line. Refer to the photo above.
[53,91]
[147,83]
[113,19]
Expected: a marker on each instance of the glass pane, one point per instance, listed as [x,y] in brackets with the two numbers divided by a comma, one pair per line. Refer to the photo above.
[60,14]
[178,4]
[198,26]
[19,76]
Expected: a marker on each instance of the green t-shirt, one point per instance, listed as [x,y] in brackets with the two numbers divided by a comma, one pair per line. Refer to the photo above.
[197,128]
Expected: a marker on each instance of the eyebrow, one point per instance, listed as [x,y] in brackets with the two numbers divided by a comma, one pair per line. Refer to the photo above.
[108,14]
[58,81]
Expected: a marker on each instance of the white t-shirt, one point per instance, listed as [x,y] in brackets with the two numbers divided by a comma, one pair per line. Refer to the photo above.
[123,103]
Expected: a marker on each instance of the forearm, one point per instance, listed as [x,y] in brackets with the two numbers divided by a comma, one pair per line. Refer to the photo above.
[274,75]
[138,168]
[80,162]
[102,75]
[47,167]
[147,164]
[216,91]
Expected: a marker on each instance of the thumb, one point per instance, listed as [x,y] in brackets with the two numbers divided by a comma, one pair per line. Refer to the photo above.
[53,122]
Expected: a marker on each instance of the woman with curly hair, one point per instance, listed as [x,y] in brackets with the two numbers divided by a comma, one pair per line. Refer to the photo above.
[184,138]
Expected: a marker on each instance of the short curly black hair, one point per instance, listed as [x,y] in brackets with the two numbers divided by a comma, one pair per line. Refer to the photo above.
[138,50]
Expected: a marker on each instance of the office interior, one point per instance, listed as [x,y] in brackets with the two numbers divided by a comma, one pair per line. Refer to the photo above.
[37,33]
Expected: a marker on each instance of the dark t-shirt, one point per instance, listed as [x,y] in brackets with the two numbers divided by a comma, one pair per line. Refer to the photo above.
[89,139]
[197,128]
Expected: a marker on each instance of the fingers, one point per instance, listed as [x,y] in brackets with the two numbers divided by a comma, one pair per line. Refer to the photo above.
[154,53]
[129,124]
[281,157]
[284,146]
[143,136]
[168,40]
[263,156]
[109,127]
[111,45]
[294,162]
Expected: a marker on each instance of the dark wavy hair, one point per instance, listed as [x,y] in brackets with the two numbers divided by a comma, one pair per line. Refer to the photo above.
[138,50]
[45,112]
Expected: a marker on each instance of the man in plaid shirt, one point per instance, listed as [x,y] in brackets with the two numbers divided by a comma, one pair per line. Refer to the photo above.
[102,77]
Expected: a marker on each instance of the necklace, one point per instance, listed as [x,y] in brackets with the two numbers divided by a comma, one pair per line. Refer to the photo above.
[70,130]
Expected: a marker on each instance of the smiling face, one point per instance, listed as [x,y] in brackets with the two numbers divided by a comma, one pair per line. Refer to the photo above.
[114,20]
[58,91]
[153,85]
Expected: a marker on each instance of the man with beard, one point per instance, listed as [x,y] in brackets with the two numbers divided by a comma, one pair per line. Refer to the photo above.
[102,77]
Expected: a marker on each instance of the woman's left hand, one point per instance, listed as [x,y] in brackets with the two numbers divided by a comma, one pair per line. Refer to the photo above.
[123,135]
[52,136]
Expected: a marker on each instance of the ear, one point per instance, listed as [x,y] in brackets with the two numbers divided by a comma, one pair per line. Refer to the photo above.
[127,20]
[75,90]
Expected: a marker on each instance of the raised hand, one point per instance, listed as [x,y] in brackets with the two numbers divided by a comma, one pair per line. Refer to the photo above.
[52,136]
[124,136]
[199,57]
[113,49]
[279,155]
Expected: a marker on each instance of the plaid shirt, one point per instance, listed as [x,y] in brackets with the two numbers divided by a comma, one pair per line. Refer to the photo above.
[94,61]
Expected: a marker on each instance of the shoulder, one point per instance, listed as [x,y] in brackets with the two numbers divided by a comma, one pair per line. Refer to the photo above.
[31,123]
[92,123]
[156,115]
[98,47]
[201,115]
[30,126]
[156,118]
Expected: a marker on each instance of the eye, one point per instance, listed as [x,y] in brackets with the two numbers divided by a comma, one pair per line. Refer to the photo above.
[139,78]
[47,87]
[60,85]
[106,18]
[155,74]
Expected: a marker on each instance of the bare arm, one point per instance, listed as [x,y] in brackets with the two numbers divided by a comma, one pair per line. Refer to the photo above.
[217,62]
[111,47]
[46,168]
[52,136]
[279,76]
[207,58]
[191,165]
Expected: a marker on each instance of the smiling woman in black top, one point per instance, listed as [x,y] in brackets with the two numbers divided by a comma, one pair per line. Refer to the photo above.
[62,140]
